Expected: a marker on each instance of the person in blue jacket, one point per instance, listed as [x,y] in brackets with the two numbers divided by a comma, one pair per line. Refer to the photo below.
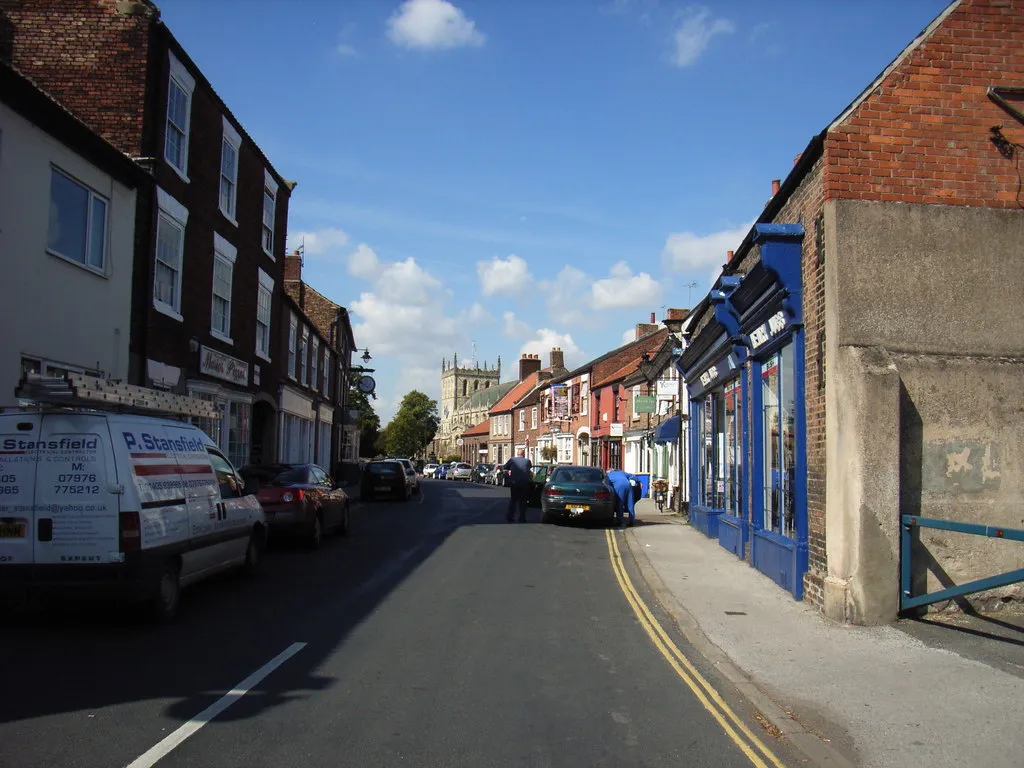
[623,487]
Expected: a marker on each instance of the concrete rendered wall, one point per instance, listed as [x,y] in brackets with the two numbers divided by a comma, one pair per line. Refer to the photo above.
[53,308]
[925,342]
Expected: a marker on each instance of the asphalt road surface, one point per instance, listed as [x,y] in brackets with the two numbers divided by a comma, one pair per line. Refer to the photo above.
[436,635]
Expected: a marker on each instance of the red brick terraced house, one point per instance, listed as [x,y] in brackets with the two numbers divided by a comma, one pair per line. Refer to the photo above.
[531,431]
[501,440]
[859,363]
[210,228]
[474,448]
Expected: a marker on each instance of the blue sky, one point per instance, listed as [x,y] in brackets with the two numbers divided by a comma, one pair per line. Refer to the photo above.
[534,173]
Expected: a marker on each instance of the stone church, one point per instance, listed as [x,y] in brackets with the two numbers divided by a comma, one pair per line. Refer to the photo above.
[467,393]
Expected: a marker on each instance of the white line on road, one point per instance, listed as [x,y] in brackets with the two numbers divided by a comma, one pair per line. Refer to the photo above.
[162,748]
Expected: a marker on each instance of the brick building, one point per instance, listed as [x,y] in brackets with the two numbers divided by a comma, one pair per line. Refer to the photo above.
[502,440]
[861,355]
[532,429]
[210,227]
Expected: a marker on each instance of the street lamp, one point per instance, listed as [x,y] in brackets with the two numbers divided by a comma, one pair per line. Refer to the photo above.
[366,355]
[675,329]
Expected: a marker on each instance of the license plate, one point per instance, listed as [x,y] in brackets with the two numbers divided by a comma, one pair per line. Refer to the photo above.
[12,530]
[381,488]
[579,508]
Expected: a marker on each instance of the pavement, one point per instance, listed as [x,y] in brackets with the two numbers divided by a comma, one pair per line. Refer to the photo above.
[435,634]
[943,691]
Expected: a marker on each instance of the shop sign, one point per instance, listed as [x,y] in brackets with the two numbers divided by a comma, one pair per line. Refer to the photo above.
[615,429]
[719,369]
[668,387]
[644,404]
[767,331]
[214,363]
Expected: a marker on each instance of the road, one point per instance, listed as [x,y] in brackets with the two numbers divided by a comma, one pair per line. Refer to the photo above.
[437,634]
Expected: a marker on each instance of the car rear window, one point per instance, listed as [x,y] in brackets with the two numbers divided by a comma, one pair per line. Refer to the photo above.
[276,474]
[577,475]
[384,469]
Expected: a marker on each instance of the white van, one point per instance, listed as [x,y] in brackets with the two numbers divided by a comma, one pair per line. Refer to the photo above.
[99,503]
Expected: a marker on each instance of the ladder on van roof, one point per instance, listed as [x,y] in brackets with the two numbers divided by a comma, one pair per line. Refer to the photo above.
[76,390]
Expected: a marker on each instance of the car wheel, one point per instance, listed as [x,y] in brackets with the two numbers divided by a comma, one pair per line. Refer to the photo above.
[253,554]
[315,534]
[163,605]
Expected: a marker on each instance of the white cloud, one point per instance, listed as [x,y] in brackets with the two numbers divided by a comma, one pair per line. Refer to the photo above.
[694,35]
[476,314]
[363,262]
[629,335]
[568,296]
[432,24]
[515,328]
[406,282]
[344,49]
[545,339]
[689,252]
[325,244]
[509,276]
[624,289]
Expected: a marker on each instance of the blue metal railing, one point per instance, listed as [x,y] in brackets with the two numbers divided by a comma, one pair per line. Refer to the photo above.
[907,597]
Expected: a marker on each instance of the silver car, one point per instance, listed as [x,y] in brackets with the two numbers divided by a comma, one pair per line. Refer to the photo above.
[461,471]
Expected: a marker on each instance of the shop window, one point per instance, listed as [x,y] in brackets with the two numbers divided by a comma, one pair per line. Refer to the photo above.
[719,429]
[733,448]
[614,455]
[238,433]
[779,416]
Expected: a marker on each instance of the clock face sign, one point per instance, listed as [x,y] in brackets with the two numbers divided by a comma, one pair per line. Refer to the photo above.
[367,384]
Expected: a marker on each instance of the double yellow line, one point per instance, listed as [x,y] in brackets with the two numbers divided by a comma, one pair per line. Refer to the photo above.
[752,747]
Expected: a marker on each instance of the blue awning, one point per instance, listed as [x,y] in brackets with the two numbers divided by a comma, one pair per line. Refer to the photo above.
[667,431]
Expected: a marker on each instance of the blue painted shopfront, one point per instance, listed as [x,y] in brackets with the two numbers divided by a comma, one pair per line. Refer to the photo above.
[745,377]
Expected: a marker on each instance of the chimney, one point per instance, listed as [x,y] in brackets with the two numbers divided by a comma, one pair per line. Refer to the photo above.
[775,187]
[293,266]
[677,314]
[528,364]
[642,329]
[728,256]
[797,158]
[557,359]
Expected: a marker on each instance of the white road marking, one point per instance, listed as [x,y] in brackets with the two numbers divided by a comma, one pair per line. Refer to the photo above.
[164,747]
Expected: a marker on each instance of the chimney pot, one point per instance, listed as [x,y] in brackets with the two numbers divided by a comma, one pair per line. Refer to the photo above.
[776,184]
[728,257]
[797,158]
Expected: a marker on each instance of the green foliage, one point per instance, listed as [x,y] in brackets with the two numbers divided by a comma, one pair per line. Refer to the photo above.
[549,453]
[368,420]
[451,457]
[413,427]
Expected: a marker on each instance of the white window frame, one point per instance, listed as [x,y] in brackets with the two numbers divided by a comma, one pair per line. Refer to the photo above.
[93,197]
[233,139]
[265,288]
[585,396]
[522,419]
[293,335]
[328,365]
[269,191]
[314,364]
[533,418]
[180,77]
[171,213]
[636,394]
[302,355]
[225,253]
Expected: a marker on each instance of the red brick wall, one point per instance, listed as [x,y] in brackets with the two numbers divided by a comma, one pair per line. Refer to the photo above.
[923,135]
[91,57]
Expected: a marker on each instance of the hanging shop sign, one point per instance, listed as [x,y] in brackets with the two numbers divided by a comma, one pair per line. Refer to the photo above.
[667,387]
[560,401]
[644,404]
[221,366]
[768,330]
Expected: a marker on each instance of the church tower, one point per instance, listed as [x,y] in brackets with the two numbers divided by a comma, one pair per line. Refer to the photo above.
[459,384]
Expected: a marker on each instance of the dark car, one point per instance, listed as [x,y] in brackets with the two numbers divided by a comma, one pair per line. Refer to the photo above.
[299,499]
[410,471]
[538,479]
[577,493]
[480,471]
[385,479]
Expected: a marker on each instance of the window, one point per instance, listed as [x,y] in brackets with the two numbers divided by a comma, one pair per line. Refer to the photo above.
[779,416]
[303,355]
[229,483]
[263,301]
[328,364]
[575,398]
[210,426]
[584,396]
[170,248]
[323,450]
[615,454]
[223,277]
[269,212]
[533,418]
[78,222]
[296,440]
[229,170]
[718,430]
[292,336]
[238,432]
[635,395]
[314,378]
[565,450]
[179,108]
[522,419]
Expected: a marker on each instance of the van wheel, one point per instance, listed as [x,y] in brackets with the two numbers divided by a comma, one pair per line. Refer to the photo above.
[316,533]
[253,554]
[163,605]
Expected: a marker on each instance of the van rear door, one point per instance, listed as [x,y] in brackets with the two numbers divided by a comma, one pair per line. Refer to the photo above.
[77,494]
[19,434]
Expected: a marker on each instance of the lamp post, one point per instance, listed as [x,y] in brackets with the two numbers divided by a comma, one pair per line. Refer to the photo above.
[675,330]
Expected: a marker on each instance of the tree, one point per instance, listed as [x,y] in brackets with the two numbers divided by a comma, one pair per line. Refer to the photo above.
[413,426]
[368,421]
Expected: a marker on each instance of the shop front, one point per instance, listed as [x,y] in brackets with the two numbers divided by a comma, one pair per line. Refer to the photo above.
[225,383]
[745,374]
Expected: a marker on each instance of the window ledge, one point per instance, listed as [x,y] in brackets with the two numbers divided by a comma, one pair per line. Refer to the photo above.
[91,270]
[227,216]
[177,170]
[269,255]
[262,356]
[221,337]
[166,309]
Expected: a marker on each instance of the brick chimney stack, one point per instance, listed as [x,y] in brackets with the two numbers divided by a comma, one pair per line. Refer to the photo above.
[557,359]
[642,329]
[528,364]
[776,184]
[677,314]
[293,266]
[728,256]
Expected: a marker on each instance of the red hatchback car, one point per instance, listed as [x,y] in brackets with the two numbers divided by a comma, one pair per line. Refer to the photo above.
[300,499]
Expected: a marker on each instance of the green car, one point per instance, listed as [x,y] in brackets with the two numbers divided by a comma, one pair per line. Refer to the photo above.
[577,493]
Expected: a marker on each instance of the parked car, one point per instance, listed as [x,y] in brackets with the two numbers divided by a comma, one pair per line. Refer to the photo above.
[385,478]
[441,472]
[480,472]
[410,470]
[498,475]
[430,470]
[461,471]
[138,534]
[299,500]
[538,479]
[577,493]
